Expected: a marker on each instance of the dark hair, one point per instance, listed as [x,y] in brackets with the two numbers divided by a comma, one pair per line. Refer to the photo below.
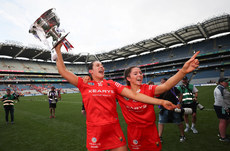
[127,73]
[150,83]
[185,78]
[90,67]
[223,80]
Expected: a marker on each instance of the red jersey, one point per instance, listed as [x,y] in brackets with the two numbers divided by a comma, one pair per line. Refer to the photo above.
[99,99]
[138,113]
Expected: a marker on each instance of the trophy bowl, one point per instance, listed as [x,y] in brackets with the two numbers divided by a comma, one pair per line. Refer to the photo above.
[47,25]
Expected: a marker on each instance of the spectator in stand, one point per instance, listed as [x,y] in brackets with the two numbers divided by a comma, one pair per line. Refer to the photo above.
[222,107]
[53,99]
[8,103]
[166,116]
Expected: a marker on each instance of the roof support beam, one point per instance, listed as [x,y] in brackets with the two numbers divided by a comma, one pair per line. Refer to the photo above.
[23,48]
[38,54]
[127,50]
[77,57]
[202,30]
[107,56]
[178,37]
[69,57]
[158,42]
[141,47]
[97,57]
[86,59]
[114,53]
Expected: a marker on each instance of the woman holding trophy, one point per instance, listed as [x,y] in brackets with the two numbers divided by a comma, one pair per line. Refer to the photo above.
[99,98]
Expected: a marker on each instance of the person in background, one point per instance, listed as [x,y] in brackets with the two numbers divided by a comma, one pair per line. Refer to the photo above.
[53,99]
[167,116]
[222,107]
[150,83]
[189,100]
[8,103]
[59,94]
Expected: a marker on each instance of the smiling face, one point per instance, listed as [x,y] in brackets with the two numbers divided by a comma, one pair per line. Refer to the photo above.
[97,71]
[135,77]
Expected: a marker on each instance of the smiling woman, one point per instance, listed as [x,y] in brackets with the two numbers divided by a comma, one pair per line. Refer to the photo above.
[140,117]
[99,98]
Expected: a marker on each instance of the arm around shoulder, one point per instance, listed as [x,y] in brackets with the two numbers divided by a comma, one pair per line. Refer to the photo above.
[147,99]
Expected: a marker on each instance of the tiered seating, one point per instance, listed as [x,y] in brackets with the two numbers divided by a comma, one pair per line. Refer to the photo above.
[202,74]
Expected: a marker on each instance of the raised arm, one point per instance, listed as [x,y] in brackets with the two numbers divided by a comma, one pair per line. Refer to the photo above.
[147,99]
[189,66]
[69,76]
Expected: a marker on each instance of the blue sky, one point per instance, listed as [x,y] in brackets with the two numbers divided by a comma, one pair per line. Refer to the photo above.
[97,26]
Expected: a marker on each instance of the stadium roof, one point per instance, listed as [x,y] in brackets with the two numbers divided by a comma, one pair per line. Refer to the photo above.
[204,30]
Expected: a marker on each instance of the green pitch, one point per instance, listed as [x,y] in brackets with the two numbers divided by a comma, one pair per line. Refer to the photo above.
[34,131]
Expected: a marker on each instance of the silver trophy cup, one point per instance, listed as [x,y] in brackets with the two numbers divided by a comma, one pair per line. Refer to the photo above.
[47,25]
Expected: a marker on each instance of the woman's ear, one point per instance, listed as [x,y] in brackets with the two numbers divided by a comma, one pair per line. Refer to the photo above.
[128,78]
[91,71]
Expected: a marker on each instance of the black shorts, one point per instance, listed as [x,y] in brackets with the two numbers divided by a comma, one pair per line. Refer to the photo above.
[192,106]
[221,113]
[52,105]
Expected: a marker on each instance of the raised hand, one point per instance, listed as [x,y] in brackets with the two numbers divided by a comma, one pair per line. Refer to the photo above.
[191,64]
[58,47]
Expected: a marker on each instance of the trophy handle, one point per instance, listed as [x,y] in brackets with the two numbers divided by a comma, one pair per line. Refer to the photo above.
[60,41]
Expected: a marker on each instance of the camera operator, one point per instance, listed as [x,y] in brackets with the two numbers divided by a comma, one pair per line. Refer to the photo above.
[167,116]
[8,103]
[189,100]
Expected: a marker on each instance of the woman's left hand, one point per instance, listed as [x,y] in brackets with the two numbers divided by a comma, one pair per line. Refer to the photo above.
[191,64]
[168,105]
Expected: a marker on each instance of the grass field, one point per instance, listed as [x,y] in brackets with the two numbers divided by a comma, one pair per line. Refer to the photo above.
[34,131]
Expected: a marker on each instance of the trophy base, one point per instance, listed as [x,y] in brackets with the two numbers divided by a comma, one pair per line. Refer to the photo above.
[60,40]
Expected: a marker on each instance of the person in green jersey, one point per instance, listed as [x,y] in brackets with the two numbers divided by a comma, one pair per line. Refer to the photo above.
[189,100]
[8,103]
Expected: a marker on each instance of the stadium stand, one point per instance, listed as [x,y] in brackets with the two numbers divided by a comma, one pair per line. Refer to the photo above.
[158,57]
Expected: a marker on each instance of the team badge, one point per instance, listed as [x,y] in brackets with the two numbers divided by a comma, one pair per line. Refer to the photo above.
[135,142]
[90,83]
[94,140]
[121,138]
[158,144]
[100,84]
